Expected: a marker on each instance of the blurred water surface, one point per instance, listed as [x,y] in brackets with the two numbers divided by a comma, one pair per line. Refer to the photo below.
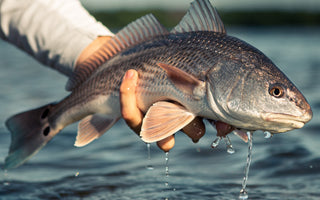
[287,166]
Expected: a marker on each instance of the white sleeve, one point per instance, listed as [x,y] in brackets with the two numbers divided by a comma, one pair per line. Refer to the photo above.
[53,31]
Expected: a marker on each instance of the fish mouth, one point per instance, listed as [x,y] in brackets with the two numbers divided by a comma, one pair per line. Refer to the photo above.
[287,122]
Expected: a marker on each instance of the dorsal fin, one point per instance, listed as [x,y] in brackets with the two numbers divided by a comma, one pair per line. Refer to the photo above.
[201,16]
[136,32]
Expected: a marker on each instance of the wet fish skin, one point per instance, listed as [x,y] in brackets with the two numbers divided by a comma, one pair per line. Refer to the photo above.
[232,68]
[245,97]
[191,71]
[238,70]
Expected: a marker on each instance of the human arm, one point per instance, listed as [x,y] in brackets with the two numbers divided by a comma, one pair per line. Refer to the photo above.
[62,35]
[55,32]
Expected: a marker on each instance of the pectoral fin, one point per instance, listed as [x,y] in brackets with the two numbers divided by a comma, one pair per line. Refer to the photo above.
[185,82]
[164,119]
[241,134]
[91,128]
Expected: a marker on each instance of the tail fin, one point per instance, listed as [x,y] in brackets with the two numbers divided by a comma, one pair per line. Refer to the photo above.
[30,131]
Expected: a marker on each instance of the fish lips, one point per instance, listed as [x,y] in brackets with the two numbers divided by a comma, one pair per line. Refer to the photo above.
[285,122]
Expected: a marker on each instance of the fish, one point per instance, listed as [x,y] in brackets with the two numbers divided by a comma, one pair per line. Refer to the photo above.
[194,70]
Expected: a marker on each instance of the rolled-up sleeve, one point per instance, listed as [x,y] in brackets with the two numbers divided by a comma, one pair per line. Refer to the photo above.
[53,31]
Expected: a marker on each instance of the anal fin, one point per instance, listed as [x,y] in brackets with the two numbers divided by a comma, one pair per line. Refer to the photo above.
[92,127]
[164,119]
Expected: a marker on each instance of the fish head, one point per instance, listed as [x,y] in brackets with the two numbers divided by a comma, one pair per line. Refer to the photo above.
[251,93]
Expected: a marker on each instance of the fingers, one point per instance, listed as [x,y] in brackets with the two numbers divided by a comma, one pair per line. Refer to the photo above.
[91,48]
[129,110]
[166,144]
[195,129]
[133,116]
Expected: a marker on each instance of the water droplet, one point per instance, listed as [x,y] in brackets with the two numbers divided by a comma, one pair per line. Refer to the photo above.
[216,142]
[149,166]
[168,188]
[267,134]
[167,164]
[6,182]
[230,149]
[243,193]
[167,170]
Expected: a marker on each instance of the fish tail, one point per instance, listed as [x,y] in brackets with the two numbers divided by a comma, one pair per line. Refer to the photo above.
[30,131]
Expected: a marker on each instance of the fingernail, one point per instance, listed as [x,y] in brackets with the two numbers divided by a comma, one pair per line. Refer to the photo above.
[129,74]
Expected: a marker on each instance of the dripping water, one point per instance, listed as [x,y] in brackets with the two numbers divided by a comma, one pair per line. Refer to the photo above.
[227,140]
[167,169]
[149,166]
[5,180]
[216,142]
[243,193]
[230,149]
[267,135]
[166,184]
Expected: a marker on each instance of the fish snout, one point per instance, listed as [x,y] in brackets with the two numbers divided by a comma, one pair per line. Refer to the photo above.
[303,106]
[307,115]
[305,109]
[301,120]
[279,122]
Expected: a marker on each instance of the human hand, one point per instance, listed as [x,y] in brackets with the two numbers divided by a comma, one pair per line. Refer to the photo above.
[133,116]
[91,48]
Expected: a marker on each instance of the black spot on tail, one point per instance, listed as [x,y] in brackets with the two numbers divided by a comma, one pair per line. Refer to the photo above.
[46,131]
[45,113]
[29,133]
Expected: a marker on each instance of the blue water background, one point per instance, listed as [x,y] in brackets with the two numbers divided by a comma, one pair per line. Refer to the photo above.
[287,166]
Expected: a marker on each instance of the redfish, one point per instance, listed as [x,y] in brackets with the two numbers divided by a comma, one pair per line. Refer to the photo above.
[195,70]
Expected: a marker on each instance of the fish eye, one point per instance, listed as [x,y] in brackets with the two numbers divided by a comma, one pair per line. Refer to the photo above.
[276,91]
